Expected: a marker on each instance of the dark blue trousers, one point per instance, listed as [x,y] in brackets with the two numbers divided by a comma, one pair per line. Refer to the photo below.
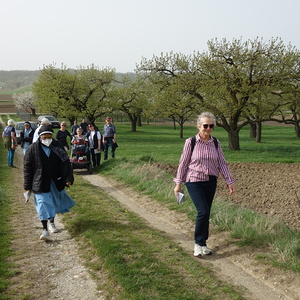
[202,194]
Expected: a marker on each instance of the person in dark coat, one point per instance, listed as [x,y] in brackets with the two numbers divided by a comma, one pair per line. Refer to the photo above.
[84,126]
[74,128]
[26,136]
[62,135]
[47,171]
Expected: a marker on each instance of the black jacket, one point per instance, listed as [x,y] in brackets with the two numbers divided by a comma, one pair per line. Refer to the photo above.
[26,139]
[40,169]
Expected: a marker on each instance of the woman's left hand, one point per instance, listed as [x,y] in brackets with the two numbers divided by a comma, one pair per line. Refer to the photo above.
[68,183]
[231,189]
[177,189]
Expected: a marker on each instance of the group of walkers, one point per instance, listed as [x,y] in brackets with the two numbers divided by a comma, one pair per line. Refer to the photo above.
[47,169]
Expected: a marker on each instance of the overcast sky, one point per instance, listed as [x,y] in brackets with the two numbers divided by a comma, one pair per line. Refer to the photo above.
[118,33]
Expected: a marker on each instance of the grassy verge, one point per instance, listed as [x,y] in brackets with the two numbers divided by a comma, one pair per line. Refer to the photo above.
[5,228]
[140,263]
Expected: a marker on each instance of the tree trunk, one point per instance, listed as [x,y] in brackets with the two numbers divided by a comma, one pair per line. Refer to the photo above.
[297,129]
[181,130]
[140,121]
[133,125]
[133,120]
[233,140]
[72,119]
[258,132]
[253,130]
[174,123]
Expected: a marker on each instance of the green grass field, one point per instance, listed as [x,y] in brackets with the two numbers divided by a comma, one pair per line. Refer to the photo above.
[163,145]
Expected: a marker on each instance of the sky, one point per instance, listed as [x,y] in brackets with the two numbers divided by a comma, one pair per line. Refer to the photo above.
[120,33]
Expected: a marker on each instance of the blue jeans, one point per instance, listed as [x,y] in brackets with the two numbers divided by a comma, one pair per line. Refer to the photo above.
[202,194]
[109,144]
[10,157]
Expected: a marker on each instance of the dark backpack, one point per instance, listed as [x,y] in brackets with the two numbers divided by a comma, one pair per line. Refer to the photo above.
[193,142]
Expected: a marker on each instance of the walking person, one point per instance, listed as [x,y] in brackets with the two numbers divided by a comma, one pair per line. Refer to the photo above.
[26,136]
[47,171]
[94,138]
[201,162]
[62,134]
[84,126]
[44,121]
[109,138]
[74,128]
[10,141]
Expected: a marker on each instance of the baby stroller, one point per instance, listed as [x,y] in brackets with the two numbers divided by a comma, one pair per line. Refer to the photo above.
[80,157]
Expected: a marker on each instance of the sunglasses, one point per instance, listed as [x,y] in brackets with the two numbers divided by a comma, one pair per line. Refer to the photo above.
[208,125]
[63,125]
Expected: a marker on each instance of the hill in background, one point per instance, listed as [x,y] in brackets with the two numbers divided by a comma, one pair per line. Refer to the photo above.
[12,80]
[20,81]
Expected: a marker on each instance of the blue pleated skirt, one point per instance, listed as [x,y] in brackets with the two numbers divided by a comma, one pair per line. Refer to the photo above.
[49,204]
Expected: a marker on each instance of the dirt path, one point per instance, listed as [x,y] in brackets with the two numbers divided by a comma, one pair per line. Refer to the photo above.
[54,270]
[230,263]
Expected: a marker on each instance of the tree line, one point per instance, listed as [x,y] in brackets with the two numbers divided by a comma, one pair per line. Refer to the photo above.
[244,83]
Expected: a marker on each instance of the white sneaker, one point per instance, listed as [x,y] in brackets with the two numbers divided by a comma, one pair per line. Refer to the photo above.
[53,228]
[45,235]
[206,251]
[201,250]
[197,250]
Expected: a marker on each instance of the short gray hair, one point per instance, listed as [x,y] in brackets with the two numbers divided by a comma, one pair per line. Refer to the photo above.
[11,122]
[206,114]
[45,121]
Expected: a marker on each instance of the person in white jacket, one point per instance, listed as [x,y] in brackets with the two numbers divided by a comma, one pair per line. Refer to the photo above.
[44,121]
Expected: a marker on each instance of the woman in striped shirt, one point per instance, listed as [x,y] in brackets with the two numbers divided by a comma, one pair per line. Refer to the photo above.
[201,162]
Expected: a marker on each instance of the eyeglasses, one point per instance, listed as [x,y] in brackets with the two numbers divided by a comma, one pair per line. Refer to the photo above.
[210,126]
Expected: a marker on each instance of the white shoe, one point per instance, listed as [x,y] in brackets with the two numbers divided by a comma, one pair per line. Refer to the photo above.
[53,228]
[206,251]
[45,235]
[201,250]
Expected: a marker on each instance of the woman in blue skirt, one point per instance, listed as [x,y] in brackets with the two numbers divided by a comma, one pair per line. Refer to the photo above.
[47,171]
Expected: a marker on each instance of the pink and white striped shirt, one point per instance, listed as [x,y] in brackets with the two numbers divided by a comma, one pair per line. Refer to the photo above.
[205,161]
